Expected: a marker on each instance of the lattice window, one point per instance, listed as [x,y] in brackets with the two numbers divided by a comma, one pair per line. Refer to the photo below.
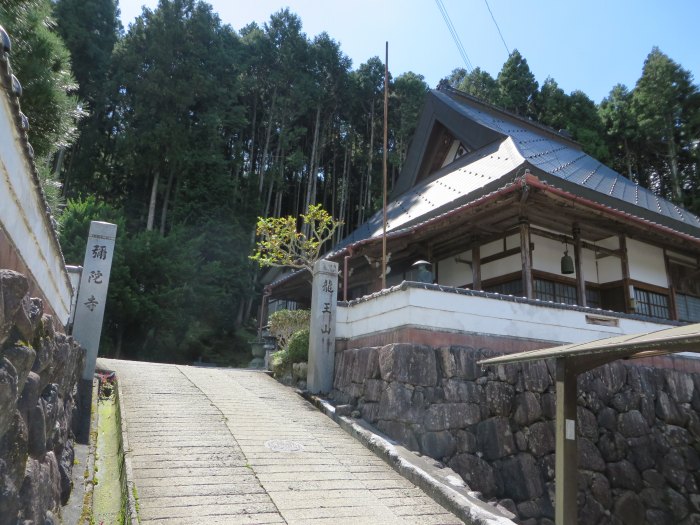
[651,304]
[688,308]
[514,287]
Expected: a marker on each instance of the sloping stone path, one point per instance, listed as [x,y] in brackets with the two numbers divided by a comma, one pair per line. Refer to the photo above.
[225,446]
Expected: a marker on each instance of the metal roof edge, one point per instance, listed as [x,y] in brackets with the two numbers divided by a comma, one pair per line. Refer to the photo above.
[486,106]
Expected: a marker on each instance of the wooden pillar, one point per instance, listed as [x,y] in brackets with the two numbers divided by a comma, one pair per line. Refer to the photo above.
[566,457]
[578,265]
[672,305]
[624,262]
[476,268]
[526,257]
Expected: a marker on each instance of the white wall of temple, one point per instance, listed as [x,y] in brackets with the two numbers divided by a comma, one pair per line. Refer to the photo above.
[23,218]
[449,311]
[646,263]
[453,273]
[609,268]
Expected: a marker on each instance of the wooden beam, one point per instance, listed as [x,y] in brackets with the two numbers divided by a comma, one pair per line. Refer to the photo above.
[476,267]
[578,266]
[500,255]
[566,456]
[561,237]
[526,257]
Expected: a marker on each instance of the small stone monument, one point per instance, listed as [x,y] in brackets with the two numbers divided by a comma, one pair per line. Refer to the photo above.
[324,299]
[92,293]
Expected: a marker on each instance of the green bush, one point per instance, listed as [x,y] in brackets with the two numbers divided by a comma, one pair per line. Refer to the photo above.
[297,351]
[283,324]
[298,348]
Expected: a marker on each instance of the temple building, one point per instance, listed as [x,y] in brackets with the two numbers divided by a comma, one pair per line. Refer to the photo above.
[497,203]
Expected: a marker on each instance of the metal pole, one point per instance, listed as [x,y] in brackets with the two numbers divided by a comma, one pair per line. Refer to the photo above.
[386,142]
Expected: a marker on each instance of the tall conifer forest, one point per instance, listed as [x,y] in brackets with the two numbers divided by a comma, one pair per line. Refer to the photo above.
[183,131]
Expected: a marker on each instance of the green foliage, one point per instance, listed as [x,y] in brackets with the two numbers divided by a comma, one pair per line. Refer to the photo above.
[297,351]
[90,30]
[280,244]
[41,62]
[170,298]
[480,84]
[298,348]
[282,324]
[195,130]
[517,87]
[664,102]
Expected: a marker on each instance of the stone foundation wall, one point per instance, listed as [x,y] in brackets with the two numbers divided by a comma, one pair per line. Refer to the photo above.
[639,429]
[39,371]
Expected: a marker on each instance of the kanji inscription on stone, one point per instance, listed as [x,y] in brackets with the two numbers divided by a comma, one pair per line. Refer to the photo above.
[324,299]
[92,291]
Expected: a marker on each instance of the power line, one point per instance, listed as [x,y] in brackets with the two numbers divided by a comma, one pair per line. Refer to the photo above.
[455,36]
[498,28]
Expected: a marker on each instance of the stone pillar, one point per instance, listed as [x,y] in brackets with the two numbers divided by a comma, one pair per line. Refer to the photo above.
[566,457]
[324,299]
[92,293]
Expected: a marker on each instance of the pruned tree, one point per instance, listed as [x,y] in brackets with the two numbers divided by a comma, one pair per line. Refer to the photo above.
[280,244]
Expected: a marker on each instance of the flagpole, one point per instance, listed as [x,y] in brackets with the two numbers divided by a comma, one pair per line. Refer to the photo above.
[386,120]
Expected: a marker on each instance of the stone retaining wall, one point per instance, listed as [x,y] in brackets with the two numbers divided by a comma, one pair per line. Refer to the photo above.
[39,371]
[639,429]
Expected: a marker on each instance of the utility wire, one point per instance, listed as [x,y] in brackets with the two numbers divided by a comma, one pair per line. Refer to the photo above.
[455,36]
[498,28]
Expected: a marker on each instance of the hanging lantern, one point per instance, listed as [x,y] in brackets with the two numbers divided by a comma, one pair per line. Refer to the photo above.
[422,271]
[567,263]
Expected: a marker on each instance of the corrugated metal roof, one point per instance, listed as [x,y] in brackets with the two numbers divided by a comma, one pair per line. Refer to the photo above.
[679,339]
[432,196]
[557,156]
[523,141]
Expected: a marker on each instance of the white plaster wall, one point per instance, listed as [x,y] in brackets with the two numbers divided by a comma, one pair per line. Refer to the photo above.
[437,310]
[451,273]
[23,217]
[547,255]
[501,267]
[609,268]
[646,263]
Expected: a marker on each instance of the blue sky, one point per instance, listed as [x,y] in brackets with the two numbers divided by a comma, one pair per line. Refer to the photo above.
[588,45]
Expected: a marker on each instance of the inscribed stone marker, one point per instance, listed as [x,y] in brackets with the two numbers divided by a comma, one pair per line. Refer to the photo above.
[92,293]
[324,299]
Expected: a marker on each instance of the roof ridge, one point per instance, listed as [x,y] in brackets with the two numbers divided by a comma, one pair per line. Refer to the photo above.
[449,90]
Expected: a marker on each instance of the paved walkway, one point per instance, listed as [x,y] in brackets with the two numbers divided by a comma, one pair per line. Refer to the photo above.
[224,446]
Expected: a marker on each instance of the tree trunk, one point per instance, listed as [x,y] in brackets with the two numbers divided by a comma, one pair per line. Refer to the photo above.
[344,187]
[369,162]
[268,200]
[628,158]
[676,187]
[166,202]
[251,164]
[152,203]
[266,148]
[311,185]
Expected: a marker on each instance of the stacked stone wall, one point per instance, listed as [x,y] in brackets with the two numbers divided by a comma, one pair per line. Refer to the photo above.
[39,371]
[638,429]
